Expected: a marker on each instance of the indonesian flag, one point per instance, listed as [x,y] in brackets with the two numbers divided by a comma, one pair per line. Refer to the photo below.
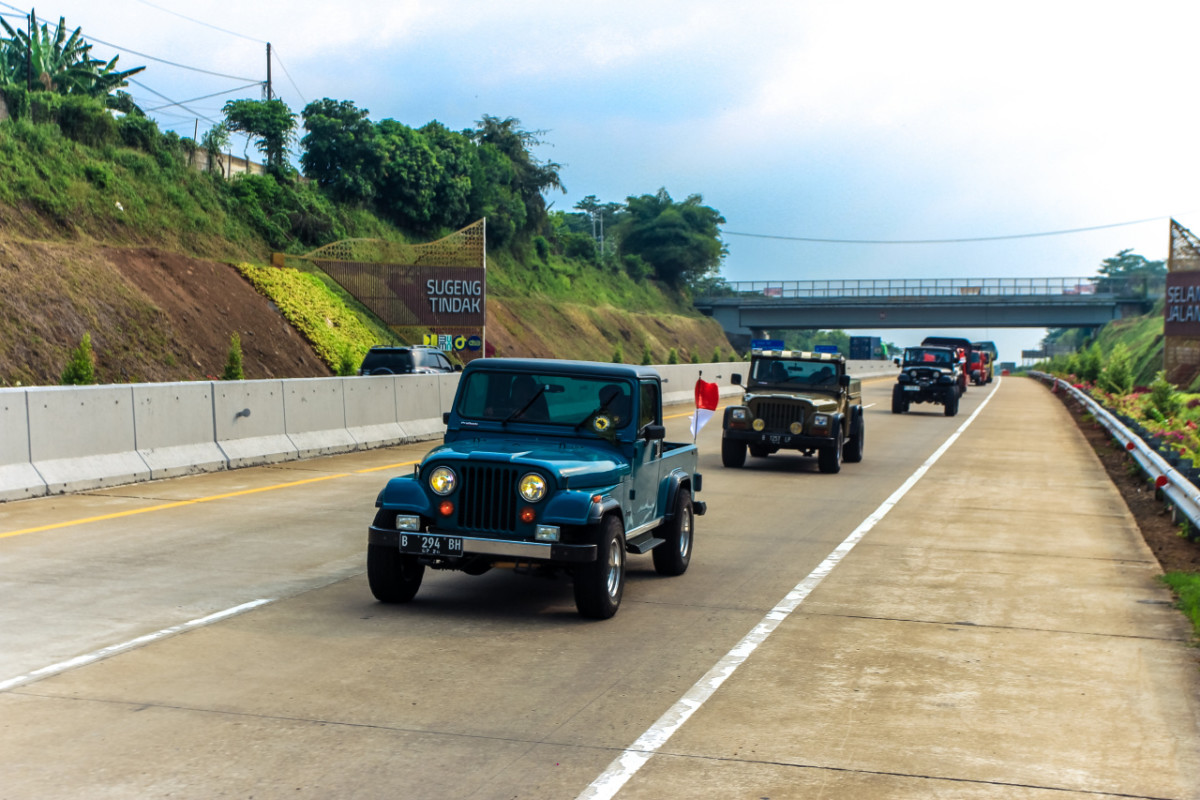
[707,396]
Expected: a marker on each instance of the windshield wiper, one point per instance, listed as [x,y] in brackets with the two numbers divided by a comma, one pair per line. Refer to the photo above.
[541,390]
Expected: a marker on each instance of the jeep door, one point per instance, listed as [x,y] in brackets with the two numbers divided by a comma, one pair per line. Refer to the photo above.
[647,458]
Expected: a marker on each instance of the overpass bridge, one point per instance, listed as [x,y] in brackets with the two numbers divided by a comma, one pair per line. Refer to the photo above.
[746,309]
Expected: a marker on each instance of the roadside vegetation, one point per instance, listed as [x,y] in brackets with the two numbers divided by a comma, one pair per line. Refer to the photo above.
[1120,366]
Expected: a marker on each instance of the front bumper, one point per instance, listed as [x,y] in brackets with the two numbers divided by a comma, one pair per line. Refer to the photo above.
[788,441]
[435,543]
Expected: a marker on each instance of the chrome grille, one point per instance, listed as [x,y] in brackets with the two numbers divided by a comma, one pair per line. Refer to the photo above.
[777,416]
[488,499]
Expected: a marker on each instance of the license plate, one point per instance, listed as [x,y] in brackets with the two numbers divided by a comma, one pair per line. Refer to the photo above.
[425,545]
[912,388]
[779,439]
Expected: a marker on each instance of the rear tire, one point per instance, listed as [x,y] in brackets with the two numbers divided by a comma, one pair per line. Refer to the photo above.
[673,556]
[733,452]
[898,404]
[394,577]
[600,584]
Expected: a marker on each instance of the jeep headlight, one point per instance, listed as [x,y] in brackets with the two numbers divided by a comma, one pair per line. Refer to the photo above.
[442,481]
[820,420]
[532,487]
[738,414]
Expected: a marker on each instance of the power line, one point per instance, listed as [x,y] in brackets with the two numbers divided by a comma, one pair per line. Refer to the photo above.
[945,241]
[275,55]
[204,97]
[172,102]
[201,22]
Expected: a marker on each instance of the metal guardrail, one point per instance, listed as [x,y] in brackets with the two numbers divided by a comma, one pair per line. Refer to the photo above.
[1082,287]
[1180,491]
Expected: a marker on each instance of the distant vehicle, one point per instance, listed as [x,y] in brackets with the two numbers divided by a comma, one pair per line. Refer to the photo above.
[928,375]
[411,360]
[964,348]
[979,367]
[795,401]
[867,348]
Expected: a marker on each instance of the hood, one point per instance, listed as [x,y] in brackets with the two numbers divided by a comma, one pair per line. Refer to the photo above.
[577,464]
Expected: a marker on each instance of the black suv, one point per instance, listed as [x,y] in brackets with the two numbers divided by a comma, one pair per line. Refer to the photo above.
[415,359]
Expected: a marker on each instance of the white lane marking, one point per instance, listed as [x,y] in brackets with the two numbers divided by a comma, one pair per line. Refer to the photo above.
[868,405]
[624,766]
[112,650]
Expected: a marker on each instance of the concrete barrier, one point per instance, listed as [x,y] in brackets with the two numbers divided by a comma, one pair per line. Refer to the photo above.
[249,423]
[314,413]
[173,428]
[370,404]
[18,478]
[82,437]
[419,405]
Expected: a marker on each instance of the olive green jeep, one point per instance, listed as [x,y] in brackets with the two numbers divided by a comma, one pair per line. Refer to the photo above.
[796,401]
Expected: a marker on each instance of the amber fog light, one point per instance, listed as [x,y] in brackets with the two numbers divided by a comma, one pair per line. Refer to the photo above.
[527,515]
[758,425]
[795,427]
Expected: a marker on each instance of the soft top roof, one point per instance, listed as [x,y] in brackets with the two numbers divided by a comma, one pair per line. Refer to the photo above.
[565,366]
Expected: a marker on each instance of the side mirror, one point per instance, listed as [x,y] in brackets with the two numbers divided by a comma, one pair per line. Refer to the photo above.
[445,417]
[654,433]
[896,361]
[458,367]
[844,379]
[736,379]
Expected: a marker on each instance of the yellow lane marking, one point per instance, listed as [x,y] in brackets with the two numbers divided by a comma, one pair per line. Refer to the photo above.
[165,506]
[387,466]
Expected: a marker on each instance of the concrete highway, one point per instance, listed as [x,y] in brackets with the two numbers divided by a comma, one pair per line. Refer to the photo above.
[980,620]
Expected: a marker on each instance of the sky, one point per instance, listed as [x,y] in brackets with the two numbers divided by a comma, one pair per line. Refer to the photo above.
[870,120]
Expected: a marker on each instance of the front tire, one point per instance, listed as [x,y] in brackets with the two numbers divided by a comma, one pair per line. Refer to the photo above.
[673,557]
[733,452]
[951,404]
[853,452]
[829,458]
[600,584]
[394,577]
[898,404]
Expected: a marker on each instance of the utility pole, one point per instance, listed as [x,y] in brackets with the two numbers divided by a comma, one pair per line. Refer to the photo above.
[269,95]
[29,53]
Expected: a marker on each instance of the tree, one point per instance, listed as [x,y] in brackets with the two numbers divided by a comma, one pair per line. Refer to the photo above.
[409,177]
[271,122]
[61,63]
[81,368]
[215,142]
[1127,264]
[342,150]
[530,178]
[680,240]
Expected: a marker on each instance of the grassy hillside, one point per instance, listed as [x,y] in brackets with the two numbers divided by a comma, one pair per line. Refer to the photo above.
[125,241]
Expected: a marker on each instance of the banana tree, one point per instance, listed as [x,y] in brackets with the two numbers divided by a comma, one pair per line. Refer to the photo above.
[55,62]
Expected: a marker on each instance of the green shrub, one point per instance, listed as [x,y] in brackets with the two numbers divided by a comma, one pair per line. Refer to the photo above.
[618,356]
[647,356]
[140,133]
[233,365]
[1163,396]
[1091,362]
[542,247]
[1117,376]
[716,355]
[81,368]
[673,356]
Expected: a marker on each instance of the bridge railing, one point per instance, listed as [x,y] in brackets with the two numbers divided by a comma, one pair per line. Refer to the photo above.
[930,287]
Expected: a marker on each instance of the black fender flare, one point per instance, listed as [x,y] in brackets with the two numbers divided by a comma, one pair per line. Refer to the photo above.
[676,481]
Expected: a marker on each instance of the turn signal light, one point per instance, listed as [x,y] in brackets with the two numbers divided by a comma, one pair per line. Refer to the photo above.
[527,515]
[446,508]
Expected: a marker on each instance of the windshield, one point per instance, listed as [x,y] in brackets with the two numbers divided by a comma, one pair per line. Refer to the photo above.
[385,362]
[778,370]
[568,400]
[923,355]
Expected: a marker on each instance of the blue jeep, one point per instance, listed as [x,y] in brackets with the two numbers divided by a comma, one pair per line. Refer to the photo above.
[545,464]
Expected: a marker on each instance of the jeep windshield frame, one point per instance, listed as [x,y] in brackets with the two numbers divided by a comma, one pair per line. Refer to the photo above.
[792,372]
[929,357]
[552,399]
